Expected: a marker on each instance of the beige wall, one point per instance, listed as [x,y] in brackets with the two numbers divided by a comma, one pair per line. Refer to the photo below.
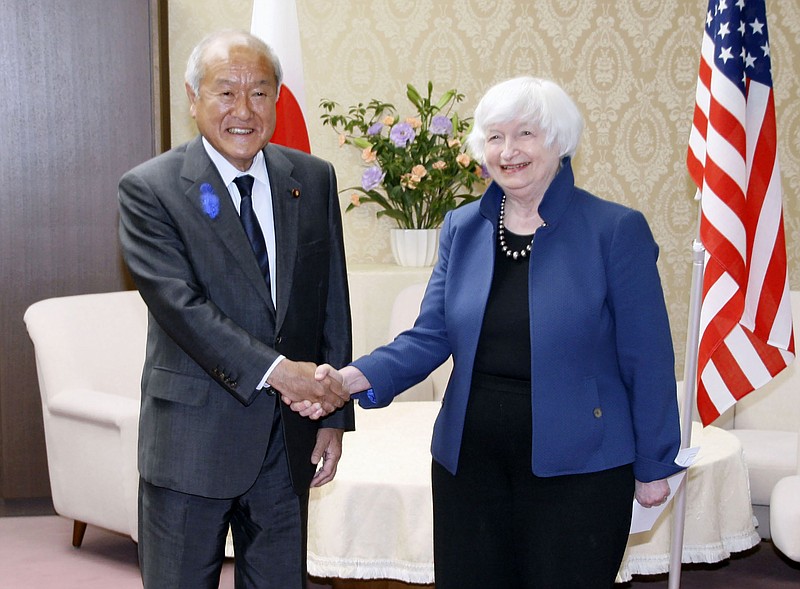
[631,65]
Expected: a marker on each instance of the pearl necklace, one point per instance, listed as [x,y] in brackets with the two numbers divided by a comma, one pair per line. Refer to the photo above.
[501,235]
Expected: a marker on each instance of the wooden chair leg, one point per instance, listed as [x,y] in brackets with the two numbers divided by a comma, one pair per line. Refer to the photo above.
[78,530]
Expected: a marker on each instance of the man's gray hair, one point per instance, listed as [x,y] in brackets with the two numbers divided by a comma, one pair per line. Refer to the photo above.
[196,66]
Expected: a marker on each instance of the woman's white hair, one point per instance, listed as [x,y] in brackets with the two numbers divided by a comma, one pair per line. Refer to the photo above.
[534,100]
[196,66]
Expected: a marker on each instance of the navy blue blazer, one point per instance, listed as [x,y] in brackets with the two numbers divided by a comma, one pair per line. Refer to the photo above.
[603,385]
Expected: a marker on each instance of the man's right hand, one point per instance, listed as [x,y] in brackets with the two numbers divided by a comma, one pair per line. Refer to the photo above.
[352,380]
[295,382]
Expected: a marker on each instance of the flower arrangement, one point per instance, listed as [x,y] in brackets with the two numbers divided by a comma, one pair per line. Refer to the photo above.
[416,169]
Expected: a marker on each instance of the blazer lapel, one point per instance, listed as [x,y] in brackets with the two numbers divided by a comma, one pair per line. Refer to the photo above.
[203,177]
[286,194]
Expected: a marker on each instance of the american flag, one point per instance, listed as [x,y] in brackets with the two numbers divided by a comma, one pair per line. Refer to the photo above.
[746,320]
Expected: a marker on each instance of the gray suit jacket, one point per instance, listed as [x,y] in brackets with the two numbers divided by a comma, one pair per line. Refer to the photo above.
[213,329]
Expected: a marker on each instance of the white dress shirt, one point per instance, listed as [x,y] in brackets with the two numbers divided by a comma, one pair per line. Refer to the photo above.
[262,206]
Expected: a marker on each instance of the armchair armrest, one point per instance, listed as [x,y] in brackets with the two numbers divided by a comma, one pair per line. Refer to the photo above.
[94,406]
[91,446]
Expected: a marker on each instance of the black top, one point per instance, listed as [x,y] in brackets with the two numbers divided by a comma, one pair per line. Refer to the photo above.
[504,347]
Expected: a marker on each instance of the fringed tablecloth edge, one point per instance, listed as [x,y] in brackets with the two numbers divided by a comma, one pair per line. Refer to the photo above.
[707,553]
[350,568]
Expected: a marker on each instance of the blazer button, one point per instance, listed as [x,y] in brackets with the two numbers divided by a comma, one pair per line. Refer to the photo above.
[598,413]
[279,339]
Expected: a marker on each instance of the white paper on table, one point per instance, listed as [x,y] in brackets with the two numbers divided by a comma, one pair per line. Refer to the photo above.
[644,518]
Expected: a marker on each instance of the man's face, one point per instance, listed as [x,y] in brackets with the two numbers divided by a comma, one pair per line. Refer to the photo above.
[235,106]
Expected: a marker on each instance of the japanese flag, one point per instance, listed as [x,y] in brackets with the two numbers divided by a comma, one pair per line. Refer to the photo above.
[275,22]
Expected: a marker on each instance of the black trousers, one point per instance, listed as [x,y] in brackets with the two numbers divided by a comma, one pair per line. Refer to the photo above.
[182,536]
[497,526]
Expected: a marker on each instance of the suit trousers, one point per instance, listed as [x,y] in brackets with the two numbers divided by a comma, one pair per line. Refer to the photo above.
[182,536]
[498,525]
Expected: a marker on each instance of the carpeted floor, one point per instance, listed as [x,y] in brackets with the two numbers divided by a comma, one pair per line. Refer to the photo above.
[36,553]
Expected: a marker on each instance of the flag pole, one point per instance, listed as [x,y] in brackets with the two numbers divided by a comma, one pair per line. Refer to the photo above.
[687,403]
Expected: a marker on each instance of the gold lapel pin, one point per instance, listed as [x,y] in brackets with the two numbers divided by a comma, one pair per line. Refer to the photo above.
[295,193]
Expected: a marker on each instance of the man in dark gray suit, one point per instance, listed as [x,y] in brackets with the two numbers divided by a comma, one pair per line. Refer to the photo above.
[231,332]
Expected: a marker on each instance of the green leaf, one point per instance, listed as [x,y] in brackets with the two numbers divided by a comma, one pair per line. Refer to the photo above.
[392,214]
[445,99]
[360,142]
[413,96]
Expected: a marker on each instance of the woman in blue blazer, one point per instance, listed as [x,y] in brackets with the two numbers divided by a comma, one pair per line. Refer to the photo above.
[561,406]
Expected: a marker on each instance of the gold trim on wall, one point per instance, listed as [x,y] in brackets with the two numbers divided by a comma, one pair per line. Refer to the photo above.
[159,43]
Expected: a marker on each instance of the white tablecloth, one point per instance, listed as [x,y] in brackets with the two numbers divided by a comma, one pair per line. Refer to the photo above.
[719,517]
[375,519]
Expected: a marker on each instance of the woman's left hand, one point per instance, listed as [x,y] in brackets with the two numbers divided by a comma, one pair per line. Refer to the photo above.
[652,494]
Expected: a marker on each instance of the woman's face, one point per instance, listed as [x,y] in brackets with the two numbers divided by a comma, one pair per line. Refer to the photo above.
[517,159]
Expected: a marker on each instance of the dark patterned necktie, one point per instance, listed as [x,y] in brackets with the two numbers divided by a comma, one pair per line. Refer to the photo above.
[250,224]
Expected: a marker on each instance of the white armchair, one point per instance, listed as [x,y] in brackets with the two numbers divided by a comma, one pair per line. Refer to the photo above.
[404,312]
[767,422]
[89,356]
[784,513]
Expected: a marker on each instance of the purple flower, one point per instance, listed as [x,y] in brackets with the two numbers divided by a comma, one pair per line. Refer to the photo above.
[441,125]
[209,200]
[402,134]
[375,128]
[372,178]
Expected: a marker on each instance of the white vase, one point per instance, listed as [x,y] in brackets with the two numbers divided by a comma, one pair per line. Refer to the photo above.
[415,247]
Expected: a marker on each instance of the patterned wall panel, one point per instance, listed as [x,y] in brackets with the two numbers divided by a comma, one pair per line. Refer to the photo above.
[631,66]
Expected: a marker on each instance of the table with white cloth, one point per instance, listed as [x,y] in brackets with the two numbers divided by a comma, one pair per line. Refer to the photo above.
[374,521]
[719,518]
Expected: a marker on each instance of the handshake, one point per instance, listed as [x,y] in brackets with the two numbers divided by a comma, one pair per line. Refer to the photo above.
[310,390]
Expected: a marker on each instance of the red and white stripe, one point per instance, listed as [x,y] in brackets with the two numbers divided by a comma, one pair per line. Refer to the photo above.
[275,22]
[746,322]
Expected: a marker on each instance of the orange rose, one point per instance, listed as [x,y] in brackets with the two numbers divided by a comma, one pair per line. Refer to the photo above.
[419,171]
[409,181]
